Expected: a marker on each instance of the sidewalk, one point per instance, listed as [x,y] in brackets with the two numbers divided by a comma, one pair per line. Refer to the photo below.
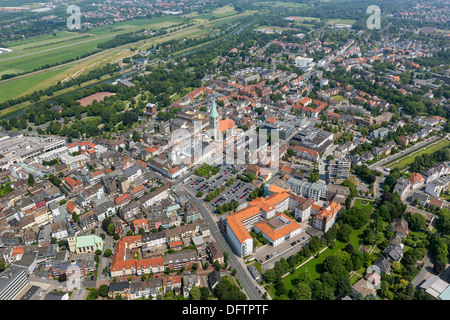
[309,259]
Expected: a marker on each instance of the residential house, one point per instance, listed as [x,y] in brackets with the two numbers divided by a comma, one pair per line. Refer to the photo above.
[416,180]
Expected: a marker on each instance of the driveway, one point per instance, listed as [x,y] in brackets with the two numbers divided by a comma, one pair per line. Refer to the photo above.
[425,273]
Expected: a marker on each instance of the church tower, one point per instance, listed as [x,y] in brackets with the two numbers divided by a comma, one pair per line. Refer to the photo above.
[214,121]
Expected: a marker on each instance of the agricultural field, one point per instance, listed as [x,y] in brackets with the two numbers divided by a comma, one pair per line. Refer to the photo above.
[155,23]
[280,4]
[221,12]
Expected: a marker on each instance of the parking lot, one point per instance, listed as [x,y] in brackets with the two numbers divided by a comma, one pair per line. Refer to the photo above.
[268,255]
[237,191]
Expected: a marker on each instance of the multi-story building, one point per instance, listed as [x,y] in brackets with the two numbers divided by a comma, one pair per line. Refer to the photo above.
[307,154]
[87,220]
[338,170]
[326,217]
[72,185]
[438,186]
[315,191]
[12,281]
[74,162]
[152,197]
[416,180]
[239,223]
[153,240]
[301,207]
[279,229]
[150,265]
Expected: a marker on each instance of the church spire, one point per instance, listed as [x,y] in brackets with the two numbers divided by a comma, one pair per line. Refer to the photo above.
[214,113]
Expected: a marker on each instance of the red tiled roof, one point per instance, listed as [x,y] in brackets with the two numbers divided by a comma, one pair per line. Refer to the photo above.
[416,178]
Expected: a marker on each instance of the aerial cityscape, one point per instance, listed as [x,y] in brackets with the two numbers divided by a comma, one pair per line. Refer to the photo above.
[225,150]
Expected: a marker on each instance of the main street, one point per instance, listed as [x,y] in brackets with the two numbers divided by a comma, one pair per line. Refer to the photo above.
[244,277]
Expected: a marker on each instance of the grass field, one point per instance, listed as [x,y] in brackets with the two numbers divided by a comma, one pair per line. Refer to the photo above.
[45,78]
[30,62]
[221,12]
[155,23]
[339,97]
[409,157]
[369,204]
[5,189]
[340,21]
[46,40]
[26,85]
[69,45]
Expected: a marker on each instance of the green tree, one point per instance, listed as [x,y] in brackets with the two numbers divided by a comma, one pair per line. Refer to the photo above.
[416,221]
[30,180]
[344,233]
[103,290]
[195,293]
[204,293]
[136,136]
[270,276]
[111,229]
[301,291]
[93,294]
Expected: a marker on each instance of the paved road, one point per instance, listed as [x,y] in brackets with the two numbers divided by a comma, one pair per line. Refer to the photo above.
[241,271]
[422,144]
[425,273]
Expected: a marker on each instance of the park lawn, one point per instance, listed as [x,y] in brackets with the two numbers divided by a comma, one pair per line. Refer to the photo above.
[313,267]
[358,204]
[338,97]
[409,158]
[16,88]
